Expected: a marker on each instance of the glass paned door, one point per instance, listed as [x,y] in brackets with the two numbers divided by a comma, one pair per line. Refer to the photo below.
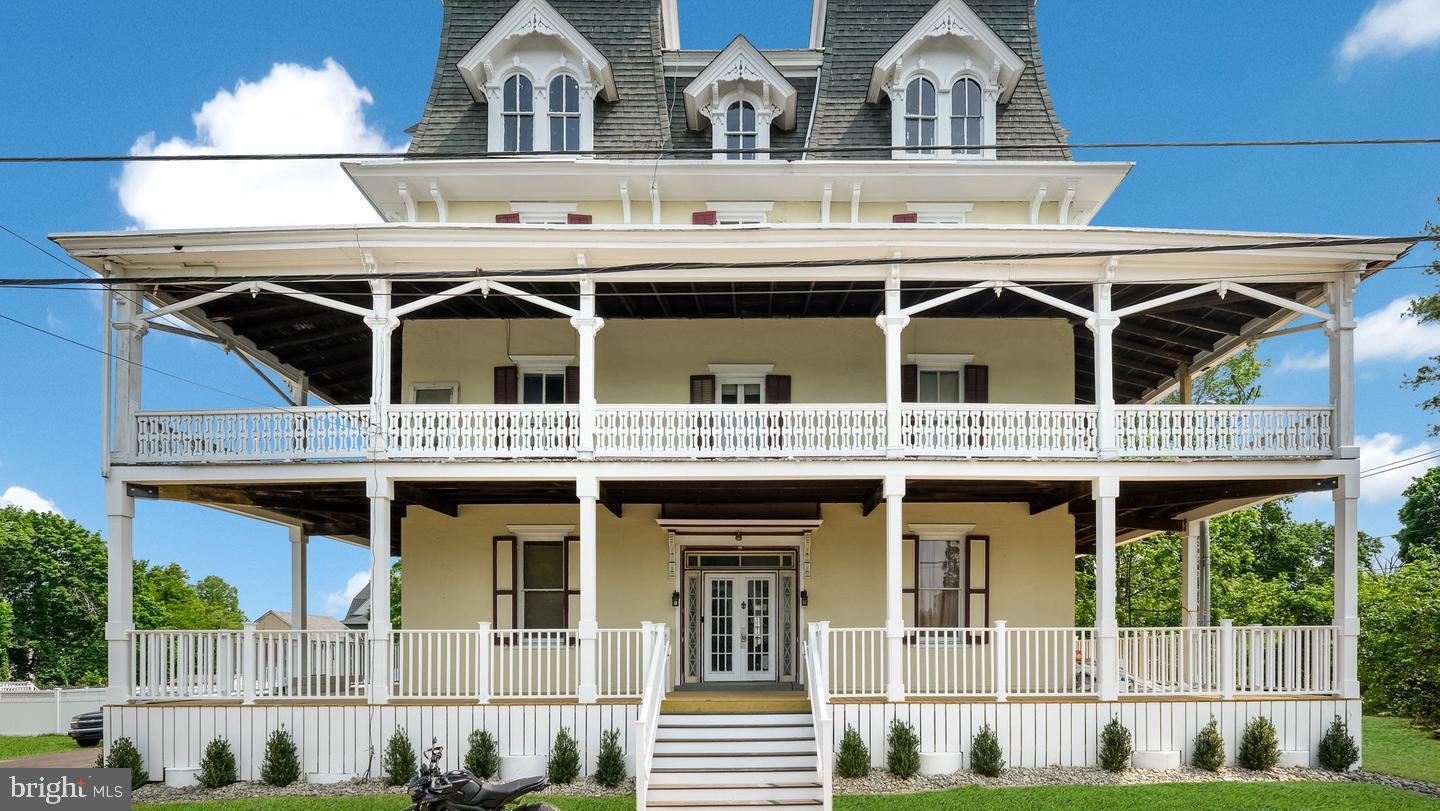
[739,627]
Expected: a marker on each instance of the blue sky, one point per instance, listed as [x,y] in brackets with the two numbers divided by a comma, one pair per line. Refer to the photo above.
[101,79]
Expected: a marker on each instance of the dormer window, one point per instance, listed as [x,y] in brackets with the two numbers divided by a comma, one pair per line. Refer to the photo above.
[920,116]
[564,114]
[519,114]
[740,131]
[967,116]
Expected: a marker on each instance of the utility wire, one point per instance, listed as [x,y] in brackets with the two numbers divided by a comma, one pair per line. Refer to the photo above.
[650,152]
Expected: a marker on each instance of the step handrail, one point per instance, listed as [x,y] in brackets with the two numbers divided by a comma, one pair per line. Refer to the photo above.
[647,719]
[820,717]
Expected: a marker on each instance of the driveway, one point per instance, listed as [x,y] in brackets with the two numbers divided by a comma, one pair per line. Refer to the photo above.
[69,759]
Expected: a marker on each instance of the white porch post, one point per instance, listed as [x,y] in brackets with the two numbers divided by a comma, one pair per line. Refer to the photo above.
[893,322]
[1103,326]
[299,620]
[894,603]
[587,488]
[1190,575]
[381,493]
[382,324]
[1347,584]
[587,324]
[1107,632]
[1341,296]
[129,355]
[120,616]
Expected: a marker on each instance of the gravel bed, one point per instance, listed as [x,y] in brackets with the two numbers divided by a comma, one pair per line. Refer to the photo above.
[880,781]
[160,793]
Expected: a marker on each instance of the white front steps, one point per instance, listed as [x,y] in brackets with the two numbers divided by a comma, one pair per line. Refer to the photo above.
[734,760]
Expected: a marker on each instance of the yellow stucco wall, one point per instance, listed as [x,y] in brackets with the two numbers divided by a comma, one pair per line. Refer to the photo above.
[829,360]
[447,581]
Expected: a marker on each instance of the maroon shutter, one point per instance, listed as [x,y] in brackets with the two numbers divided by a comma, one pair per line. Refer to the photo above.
[977,384]
[910,217]
[777,389]
[909,383]
[509,218]
[572,384]
[578,219]
[507,385]
[704,218]
[702,389]
[970,587]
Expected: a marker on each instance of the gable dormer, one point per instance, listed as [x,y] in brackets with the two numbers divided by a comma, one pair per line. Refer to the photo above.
[539,77]
[740,95]
[945,79]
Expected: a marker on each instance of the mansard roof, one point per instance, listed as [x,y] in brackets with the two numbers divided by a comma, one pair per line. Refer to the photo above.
[831,111]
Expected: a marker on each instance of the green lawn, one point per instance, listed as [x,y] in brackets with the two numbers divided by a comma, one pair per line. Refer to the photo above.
[1181,797]
[13,746]
[1393,747]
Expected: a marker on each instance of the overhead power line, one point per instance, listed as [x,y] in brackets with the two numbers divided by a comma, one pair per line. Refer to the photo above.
[661,151]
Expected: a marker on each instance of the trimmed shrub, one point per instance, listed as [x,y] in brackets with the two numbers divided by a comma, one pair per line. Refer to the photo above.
[985,755]
[399,763]
[1208,751]
[854,757]
[281,765]
[1338,751]
[100,756]
[124,755]
[903,759]
[482,759]
[1115,747]
[610,764]
[217,765]
[564,763]
[1259,746]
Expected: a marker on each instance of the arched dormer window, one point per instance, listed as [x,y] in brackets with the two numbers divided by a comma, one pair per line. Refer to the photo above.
[519,114]
[967,117]
[740,131]
[920,116]
[564,114]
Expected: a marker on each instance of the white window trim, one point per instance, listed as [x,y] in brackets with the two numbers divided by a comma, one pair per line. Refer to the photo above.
[940,213]
[543,213]
[941,532]
[941,363]
[740,373]
[945,532]
[764,115]
[542,533]
[452,385]
[741,213]
[538,365]
[989,95]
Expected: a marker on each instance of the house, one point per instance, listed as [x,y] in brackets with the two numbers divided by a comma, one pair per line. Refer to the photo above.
[281,621]
[357,616]
[690,384]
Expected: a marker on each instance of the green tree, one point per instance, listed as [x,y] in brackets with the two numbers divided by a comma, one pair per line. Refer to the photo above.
[1400,639]
[165,598]
[1426,309]
[7,635]
[395,594]
[1420,517]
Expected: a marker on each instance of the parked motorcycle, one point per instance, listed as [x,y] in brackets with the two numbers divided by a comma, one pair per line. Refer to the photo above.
[459,790]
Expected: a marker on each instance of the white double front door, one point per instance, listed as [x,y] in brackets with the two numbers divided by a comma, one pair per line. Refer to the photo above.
[739,626]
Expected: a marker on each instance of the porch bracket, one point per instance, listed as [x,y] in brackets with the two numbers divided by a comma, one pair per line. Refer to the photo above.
[539,301]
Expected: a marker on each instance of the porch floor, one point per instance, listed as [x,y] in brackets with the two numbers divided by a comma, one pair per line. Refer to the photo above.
[735,701]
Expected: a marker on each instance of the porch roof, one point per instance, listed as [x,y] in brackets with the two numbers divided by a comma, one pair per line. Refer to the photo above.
[341,509]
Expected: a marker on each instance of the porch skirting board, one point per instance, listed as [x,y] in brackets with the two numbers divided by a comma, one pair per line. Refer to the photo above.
[350,739]
[1056,733]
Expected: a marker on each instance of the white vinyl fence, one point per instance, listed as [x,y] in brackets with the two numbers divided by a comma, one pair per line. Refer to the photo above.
[46,712]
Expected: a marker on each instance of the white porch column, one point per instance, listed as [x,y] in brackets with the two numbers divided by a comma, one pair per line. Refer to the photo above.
[586,325]
[893,322]
[129,355]
[299,619]
[1347,585]
[381,493]
[1341,298]
[1190,575]
[587,489]
[120,613]
[894,602]
[1107,632]
[382,324]
[1103,326]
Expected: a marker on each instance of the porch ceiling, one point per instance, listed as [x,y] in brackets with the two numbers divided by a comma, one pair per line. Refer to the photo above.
[341,509]
[333,348]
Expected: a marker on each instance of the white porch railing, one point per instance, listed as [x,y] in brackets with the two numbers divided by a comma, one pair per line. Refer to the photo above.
[660,431]
[1169,661]
[727,431]
[1217,430]
[1000,430]
[950,662]
[311,664]
[482,431]
[186,664]
[856,662]
[1049,661]
[441,664]
[1285,659]
[255,434]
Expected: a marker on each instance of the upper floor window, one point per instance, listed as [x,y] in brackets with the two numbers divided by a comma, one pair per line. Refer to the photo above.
[967,117]
[519,114]
[564,114]
[920,115]
[939,386]
[740,131]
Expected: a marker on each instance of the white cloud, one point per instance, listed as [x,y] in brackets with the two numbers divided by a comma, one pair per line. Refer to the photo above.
[294,108]
[27,499]
[1383,449]
[338,602]
[1385,334]
[1391,28]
